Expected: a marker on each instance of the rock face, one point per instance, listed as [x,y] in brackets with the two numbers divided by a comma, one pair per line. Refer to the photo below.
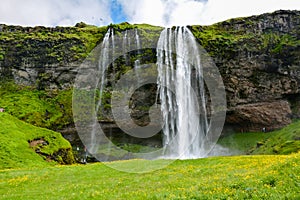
[257,116]
[258,58]
[260,67]
[45,57]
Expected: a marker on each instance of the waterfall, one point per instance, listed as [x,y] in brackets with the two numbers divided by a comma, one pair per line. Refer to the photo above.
[181,89]
[125,46]
[110,49]
[138,49]
[107,54]
[107,44]
[182,94]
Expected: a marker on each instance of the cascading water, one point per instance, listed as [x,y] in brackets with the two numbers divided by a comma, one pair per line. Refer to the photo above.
[107,87]
[108,53]
[138,47]
[181,88]
[108,42]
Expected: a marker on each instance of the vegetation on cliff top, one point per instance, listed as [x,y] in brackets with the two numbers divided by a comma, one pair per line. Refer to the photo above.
[224,42]
[46,45]
[24,145]
[41,45]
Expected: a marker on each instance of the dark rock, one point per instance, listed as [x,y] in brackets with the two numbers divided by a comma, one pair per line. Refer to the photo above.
[255,117]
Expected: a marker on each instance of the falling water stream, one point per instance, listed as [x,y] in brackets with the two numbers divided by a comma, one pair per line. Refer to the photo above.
[184,108]
[181,89]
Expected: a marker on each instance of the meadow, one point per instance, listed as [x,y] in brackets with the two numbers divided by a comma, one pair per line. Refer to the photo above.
[235,177]
[26,175]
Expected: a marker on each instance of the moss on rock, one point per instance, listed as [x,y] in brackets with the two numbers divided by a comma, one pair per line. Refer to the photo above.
[18,148]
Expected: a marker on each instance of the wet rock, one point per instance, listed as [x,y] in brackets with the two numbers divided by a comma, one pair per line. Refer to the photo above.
[256,116]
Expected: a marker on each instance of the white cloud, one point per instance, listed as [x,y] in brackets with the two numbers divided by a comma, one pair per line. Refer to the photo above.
[143,11]
[220,10]
[163,12]
[54,12]
[156,12]
[188,12]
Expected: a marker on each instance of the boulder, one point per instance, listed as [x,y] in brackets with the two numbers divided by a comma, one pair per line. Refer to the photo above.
[260,116]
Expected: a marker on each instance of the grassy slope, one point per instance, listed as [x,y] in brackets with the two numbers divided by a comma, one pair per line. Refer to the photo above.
[242,177]
[49,109]
[282,141]
[14,147]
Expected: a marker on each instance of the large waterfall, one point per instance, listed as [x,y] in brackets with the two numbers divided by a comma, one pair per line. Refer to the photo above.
[181,89]
[119,67]
[182,94]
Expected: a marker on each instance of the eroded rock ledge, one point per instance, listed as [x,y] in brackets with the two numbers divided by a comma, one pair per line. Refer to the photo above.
[257,116]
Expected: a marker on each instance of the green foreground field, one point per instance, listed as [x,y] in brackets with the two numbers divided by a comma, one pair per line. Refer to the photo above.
[24,174]
[237,177]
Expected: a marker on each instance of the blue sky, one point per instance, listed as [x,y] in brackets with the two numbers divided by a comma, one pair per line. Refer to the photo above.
[117,14]
[155,12]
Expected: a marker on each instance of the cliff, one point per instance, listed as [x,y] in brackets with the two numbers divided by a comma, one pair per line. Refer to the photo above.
[258,58]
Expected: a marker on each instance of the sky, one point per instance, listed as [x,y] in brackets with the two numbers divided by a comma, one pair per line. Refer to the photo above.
[155,12]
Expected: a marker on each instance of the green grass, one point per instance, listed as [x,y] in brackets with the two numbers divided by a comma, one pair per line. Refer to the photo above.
[16,152]
[241,177]
[49,109]
[65,44]
[232,177]
[242,143]
[226,41]
[284,141]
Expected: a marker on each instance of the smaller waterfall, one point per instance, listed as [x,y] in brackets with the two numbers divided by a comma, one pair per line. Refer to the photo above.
[138,50]
[126,43]
[182,94]
[137,41]
[108,53]
[107,44]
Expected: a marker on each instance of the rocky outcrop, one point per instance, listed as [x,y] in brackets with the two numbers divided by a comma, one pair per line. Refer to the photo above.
[45,57]
[259,116]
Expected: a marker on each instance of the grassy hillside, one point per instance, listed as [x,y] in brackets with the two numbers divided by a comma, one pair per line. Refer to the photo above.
[49,109]
[24,145]
[242,177]
[283,141]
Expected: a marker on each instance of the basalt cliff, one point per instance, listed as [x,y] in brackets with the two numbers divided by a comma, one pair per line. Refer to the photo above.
[258,58]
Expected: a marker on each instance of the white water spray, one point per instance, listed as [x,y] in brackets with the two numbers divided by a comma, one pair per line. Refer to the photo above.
[185,119]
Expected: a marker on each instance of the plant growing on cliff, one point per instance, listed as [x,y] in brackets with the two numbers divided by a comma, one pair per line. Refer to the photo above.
[51,109]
